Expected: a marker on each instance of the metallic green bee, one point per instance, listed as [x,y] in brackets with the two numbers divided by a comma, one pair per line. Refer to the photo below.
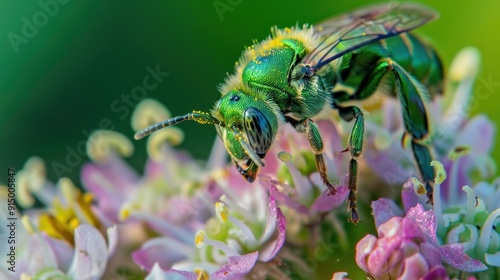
[340,63]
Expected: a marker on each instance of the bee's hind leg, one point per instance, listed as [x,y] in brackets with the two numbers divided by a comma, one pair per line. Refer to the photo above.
[410,93]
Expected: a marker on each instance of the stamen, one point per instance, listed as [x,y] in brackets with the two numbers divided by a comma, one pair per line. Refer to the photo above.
[440,172]
[159,147]
[126,210]
[201,274]
[24,193]
[484,237]
[79,203]
[302,185]
[221,177]
[218,155]
[148,112]
[171,135]
[68,190]
[28,225]
[459,152]
[284,156]
[471,205]
[53,227]
[455,155]
[221,211]
[463,72]
[102,142]
[418,186]
[496,197]
[223,215]
[438,210]
[202,239]
[236,207]
[199,239]
[471,234]
[229,197]
[32,179]
[465,64]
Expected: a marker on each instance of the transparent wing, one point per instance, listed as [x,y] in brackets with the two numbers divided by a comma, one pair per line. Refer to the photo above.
[345,33]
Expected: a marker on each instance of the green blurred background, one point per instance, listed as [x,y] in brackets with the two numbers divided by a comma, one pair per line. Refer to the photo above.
[73,71]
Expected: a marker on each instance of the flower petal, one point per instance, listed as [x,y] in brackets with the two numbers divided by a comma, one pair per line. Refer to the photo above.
[112,239]
[437,272]
[47,273]
[118,174]
[479,133]
[40,255]
[412,231]
[63,252]
[272,249]
[237,267]
[164,228]
[326,202]
[109,183]
[288,201]
[426,221]
[415,267]
[340,276]
[363,250]
[393,165]
[454,255]
[430,253]
[384,209]
[408,195]
[493,259]
[384,248]
[163,251]
[90,259]
[157,273]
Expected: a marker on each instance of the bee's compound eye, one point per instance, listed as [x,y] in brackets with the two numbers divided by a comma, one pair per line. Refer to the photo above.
[258,130]
[234,98]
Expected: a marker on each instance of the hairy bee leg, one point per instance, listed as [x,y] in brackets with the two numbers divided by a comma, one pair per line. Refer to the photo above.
[409,93]
[355,147]
[314,138]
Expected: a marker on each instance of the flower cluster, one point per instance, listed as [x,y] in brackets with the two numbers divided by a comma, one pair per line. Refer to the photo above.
[190,219]
[459,236]
[64,240]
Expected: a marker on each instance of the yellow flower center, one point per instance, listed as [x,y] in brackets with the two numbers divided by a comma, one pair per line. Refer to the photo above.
[202,274]
[62,220]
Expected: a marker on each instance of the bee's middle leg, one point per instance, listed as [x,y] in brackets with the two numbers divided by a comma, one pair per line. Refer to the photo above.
[355,148]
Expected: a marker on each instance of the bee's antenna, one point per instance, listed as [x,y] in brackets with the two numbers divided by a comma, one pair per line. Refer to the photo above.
[197,116]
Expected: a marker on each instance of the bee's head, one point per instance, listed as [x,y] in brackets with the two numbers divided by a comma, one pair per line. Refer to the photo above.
[249,128]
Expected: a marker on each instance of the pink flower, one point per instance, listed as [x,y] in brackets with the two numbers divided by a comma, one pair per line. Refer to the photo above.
[407,247]
[64,240]
[249,227]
